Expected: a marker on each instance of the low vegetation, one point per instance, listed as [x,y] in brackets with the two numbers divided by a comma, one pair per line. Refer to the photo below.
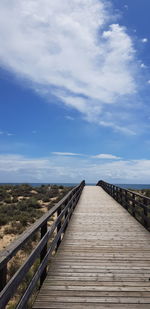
[145,192]
[20,206]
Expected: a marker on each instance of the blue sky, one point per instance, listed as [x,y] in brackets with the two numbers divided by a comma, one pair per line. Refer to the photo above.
[74,91]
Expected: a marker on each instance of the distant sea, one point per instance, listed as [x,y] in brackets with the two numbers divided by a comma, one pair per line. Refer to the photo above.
[125,186]
[134,186]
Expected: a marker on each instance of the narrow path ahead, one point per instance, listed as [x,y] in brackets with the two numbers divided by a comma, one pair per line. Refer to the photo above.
[103,260]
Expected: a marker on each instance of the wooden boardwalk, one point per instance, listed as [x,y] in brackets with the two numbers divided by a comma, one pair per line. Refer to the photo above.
[103,260]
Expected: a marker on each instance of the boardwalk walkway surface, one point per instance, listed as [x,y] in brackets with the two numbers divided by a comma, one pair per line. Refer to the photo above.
[103,260]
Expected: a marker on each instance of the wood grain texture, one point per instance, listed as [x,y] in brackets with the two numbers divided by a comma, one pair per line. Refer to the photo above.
[103,260]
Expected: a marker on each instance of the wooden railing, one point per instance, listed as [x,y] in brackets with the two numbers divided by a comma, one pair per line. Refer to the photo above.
[63,211]
[136,204]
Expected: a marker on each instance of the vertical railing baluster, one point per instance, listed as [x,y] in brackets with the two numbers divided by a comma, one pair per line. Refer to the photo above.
[3,277]
[145,213]
[126,200]
[58,228]
[121,196]
[66,214]
[112,190]
[43,253]
[133,204]
[117,194]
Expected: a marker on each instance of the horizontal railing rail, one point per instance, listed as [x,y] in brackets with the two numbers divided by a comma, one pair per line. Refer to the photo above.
[63,210]
[136,204]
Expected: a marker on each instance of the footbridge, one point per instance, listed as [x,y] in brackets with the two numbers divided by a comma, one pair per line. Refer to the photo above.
[95,254]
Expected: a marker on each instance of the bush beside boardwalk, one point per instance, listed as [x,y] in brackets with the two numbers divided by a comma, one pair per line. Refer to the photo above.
[20,206]
[145,192]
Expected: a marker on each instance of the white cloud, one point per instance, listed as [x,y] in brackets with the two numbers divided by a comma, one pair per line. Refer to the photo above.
[148,81]
[144,40]
[143,66]
[106,156]
[66,48]
[6,133]
[69,117]
[18,168]
[9,134]
[66,154]
[116,127]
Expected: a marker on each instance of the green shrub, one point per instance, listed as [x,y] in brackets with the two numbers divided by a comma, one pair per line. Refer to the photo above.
[61,187]
[46,199]
[3,220]
[7,200]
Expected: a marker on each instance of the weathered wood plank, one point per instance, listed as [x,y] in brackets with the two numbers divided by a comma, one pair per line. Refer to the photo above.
[52,305]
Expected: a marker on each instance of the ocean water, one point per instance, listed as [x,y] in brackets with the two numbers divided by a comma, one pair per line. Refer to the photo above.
[38,184]
[125,186]
[134,186]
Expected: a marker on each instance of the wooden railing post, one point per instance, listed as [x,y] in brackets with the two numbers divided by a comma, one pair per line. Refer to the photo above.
[43,253]
[58,228]
[133,205]
[113,193]
[121,196]
[3,277]
[112,190]
[66,214]
[145,213]
[116,194]
[126,200]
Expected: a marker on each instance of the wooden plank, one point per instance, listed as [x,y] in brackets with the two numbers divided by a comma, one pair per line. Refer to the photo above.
[87,293]
[87,299]
[106,288]
[119,283]
[64,305]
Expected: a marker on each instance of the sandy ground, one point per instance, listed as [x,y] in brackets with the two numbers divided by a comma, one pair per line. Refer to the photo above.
[5,239]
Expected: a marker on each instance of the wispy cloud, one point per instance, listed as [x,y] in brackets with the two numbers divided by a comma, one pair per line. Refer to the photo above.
[121,128]
[71,49]
[106,156]
[144,40]
[66,154]
[6,133]
[98,156]
[143,66]
[69,117]
[9,134]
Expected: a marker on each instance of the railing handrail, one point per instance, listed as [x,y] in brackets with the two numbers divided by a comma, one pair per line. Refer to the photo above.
[131,201]
[64,209]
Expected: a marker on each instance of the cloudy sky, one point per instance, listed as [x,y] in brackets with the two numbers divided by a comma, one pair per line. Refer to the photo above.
[74,91]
